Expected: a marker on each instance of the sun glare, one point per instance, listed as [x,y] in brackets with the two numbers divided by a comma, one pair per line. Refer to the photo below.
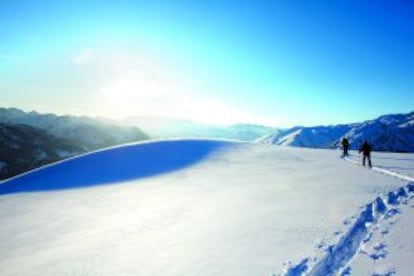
[131,90]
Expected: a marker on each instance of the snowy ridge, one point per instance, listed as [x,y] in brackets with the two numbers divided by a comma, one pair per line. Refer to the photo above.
[394,133]
[117,163]
[313,137]
[338,256]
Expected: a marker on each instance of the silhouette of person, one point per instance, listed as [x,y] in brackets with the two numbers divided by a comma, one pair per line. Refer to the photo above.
[366,151]
[345,146]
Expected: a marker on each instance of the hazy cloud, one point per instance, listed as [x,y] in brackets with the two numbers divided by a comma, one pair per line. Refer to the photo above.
[83,57]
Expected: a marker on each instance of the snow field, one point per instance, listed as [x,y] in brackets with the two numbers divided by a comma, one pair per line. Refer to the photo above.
[239,209]
[366,235]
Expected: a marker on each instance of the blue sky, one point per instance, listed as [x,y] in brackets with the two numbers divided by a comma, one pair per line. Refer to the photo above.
[274,62]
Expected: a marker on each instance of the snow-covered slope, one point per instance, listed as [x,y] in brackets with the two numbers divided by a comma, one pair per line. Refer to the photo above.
[183,207]
[386,133]
[363,248]
[312,137]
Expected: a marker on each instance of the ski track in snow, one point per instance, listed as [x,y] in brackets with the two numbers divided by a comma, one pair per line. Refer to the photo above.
[337,257]
[384,171]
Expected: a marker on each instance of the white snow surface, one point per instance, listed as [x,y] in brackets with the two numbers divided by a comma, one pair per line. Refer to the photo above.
[386,162]
[192,207]
[389,249]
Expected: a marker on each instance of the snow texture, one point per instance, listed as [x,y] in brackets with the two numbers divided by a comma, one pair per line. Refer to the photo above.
[194,207]
[399,165]
[338,256]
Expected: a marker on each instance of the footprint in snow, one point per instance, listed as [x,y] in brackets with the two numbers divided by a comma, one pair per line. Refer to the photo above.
[346,271]
[380,252]
[385,231]
[368,238]
[391,213]
[390,272]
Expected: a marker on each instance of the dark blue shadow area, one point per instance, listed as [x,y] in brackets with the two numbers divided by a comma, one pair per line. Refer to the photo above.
[114,165]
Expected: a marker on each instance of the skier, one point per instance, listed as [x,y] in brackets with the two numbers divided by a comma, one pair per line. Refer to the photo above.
[345,146]
[366,151]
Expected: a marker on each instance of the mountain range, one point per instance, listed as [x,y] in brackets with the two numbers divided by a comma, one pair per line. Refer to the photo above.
[32,139]
[88,133]
[29,139]
[23,147]
[166,127]
[394,132]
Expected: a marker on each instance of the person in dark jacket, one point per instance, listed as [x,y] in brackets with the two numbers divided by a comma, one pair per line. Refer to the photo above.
[366,152]
[345,146]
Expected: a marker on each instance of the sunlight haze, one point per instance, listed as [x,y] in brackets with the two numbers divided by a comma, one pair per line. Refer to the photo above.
[277,63]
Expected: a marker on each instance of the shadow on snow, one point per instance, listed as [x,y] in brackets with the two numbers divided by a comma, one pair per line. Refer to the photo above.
[114,165]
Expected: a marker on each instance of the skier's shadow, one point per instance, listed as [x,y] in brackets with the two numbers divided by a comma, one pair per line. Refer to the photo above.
[114,165]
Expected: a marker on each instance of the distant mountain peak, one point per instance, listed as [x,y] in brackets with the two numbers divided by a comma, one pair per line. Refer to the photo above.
[392,132]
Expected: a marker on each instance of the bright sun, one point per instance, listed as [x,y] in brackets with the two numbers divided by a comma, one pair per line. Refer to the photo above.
[131,91]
